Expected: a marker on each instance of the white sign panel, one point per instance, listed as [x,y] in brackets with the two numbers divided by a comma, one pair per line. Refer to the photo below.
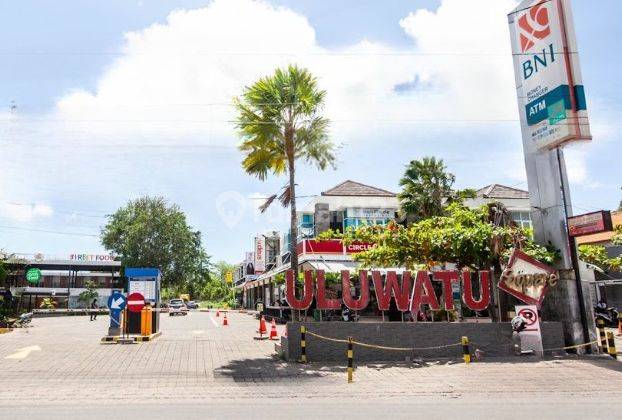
[147,288]
[531,336]
[550,92]
[260,254]
[370,213]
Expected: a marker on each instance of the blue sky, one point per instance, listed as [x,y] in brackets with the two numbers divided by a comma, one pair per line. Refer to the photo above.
[117,99]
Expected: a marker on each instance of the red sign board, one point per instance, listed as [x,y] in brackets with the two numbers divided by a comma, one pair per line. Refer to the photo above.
[587,224]
[331,246]
[135,302]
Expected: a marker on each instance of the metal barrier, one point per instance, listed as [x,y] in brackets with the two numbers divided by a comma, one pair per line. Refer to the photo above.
[351,343]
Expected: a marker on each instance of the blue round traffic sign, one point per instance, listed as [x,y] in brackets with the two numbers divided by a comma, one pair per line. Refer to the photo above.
[117,301]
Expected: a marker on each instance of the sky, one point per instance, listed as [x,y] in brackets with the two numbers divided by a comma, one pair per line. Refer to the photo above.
[103,102]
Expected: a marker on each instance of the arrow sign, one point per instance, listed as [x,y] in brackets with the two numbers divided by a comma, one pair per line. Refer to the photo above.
[135,302]
[117,302]
[23,353]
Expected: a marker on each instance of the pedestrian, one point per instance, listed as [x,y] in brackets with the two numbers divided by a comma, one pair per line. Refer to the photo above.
[93,312]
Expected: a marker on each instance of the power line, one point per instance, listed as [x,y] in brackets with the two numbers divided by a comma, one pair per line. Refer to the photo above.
[56,232]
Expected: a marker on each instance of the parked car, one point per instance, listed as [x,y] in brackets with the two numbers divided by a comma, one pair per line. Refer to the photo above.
[191,304]
[164,307]
[177,307]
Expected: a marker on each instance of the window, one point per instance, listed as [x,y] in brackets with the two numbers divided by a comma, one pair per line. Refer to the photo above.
[522,218]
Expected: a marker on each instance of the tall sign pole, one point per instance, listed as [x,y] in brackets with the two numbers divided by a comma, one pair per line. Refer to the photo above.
[553,113]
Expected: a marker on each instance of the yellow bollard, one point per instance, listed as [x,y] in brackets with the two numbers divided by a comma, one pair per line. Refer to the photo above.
[303,344]
[350,360]
[611,344]
[600,323]
[466,354]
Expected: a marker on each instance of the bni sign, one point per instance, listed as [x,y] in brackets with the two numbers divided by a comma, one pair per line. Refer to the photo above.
[549,88]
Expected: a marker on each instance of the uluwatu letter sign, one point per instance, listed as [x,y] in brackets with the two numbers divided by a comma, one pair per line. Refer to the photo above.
[414,290]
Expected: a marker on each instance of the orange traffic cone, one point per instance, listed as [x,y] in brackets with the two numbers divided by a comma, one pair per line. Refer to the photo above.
[273,334]
[217,313]
[262,329]
[225,322]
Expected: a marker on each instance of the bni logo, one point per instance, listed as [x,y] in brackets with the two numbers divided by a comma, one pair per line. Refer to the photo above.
[534,25]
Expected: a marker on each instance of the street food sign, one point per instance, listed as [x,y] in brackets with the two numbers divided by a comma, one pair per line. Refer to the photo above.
[527,279]
[587,224]
[549,88]
[410,292]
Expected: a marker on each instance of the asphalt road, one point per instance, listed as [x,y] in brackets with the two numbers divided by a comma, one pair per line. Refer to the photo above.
[199,368]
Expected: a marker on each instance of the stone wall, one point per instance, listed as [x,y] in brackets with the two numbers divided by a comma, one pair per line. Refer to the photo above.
[494,339]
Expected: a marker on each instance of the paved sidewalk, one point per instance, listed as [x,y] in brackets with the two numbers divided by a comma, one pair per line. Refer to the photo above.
[59,362]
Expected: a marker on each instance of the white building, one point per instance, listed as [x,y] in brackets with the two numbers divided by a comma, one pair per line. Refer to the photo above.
[514,199]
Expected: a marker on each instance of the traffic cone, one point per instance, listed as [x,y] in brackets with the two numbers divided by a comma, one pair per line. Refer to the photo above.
[217,313]
[273,334]
[225,322]
[262,329]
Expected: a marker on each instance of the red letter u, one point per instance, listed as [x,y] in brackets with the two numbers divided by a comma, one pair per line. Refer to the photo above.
[363,300]
[290,291]
[484,291]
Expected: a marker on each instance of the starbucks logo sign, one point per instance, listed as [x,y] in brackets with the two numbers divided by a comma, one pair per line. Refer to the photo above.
[33,276]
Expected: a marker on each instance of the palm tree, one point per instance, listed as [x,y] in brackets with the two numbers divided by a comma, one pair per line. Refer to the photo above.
[425,184]
[427,189]
[279,122]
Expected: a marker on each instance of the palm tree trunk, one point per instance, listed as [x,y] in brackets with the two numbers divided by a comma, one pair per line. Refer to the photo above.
[293,219]
[293,242]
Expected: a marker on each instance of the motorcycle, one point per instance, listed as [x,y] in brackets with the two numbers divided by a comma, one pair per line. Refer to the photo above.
[349,315]
[609,315]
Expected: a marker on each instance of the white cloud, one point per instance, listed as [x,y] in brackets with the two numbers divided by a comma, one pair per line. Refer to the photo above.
[176,80]
[25,212]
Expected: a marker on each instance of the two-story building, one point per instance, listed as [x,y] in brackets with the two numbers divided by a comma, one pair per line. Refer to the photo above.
[349,204]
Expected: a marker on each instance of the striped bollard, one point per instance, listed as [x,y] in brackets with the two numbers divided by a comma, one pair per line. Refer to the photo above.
[600,323]
[303,344]
[350,359]
[611,345]
[466,354]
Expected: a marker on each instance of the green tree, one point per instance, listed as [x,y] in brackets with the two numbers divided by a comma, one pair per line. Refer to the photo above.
[597,256]
[465,237]
[89,294]
[279,122]
[149,232]
[427,188]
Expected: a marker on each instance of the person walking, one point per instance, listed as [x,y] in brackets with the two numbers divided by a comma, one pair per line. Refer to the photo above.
[93,313]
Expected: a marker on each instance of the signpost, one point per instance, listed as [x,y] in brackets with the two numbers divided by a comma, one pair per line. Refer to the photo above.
[135,302]
[531,336]
[553,112]
[116,303]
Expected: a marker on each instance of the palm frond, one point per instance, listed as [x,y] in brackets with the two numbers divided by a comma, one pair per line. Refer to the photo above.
[267,203]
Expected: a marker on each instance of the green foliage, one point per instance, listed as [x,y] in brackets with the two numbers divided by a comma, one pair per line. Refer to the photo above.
[47,303]
[278,119]
[462,236]
[148,232]
[427,188]
[89,294]
[597,255]
[617,237]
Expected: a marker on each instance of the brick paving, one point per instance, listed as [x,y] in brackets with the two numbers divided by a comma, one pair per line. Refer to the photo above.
[197,359]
